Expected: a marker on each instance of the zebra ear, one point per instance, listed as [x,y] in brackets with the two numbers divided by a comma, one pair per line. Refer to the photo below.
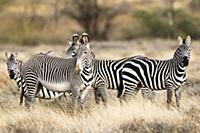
[75,38]
[70,42]
[85,38]
[180,40]
[15,54]
[188,40]
[6,54]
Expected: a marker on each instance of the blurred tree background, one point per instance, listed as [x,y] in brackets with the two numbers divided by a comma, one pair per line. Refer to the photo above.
[52,21]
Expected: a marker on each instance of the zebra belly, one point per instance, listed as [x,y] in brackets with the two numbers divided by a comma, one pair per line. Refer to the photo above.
[155,86]
[154,83]
[47,94]
[59,87]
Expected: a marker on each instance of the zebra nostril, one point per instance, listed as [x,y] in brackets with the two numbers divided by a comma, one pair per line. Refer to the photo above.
[11,71]
[185,58]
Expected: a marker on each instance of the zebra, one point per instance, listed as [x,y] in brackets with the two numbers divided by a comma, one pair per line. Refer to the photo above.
[72,50]
[156,75]
[107,75]
[14,66]
[58,74]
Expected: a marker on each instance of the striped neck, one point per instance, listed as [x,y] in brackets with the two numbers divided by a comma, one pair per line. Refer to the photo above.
[178,64]
[178,72]
[18,77]
[87,73]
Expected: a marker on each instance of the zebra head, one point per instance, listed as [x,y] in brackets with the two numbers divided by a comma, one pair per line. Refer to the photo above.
[12,65]
[84,55]
[72,50]
[184,50]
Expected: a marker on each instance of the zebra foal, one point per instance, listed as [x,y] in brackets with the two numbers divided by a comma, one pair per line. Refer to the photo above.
[142,72]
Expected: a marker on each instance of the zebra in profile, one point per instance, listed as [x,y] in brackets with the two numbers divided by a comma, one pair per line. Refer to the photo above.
[107,75]
[156,75]
[14,66]
[61,75]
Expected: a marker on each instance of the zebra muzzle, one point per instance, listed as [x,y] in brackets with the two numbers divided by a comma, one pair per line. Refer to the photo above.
[77,68]
[11,75]
[185,61]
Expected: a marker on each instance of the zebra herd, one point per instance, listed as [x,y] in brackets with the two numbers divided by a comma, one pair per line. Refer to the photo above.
[46,76]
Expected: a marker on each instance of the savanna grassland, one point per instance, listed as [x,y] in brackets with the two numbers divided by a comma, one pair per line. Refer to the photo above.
[138,115]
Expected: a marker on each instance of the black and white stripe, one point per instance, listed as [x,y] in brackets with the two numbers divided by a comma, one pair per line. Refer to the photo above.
[106,75]
[142,72]
[14,66]
[58,74]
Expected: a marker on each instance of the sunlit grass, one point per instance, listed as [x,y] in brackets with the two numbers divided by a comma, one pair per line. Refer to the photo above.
[137,115]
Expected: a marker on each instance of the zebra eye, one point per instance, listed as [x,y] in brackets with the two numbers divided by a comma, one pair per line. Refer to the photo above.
[85,52]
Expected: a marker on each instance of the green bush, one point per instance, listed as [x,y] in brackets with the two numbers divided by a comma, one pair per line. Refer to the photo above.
[3,3]
[155,24]
[25,30]
[187,24]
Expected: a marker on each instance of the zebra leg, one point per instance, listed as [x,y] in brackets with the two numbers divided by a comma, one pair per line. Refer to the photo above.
[31,86]
[169,97]
[83,96]
[74,98]
[100,93]
[178,96]
[103,95]
[67,95]
[97,96]
[148,94]
[129,91]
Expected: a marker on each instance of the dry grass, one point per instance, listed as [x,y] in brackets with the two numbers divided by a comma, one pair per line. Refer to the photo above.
[136,116]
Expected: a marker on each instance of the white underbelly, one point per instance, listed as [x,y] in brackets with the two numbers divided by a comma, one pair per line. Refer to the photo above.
[60,87]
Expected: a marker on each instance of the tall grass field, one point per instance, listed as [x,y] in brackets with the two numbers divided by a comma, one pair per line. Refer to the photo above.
[137,115]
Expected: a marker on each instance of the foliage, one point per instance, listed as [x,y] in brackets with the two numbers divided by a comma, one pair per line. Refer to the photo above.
[155,24]
[27,30]
[187,24]
[3,3]
[94,18]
